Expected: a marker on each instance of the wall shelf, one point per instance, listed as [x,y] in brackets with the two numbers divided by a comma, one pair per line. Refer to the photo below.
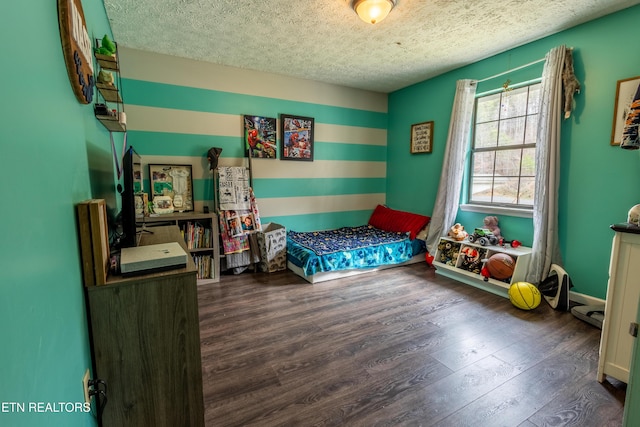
[112,123]
[110,93]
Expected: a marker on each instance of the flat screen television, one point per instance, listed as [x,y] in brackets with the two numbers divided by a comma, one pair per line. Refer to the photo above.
[130,191]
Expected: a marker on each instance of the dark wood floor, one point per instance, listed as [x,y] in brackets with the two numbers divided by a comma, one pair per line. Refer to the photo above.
[400,347]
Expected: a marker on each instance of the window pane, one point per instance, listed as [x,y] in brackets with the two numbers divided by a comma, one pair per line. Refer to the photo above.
[505,190]
[511,131]
[532,129]
[486,135]
[508,162]
[488,108]
[481,189]
[514,103]
[483,164]
[528,162]
[534,99]
[527,188]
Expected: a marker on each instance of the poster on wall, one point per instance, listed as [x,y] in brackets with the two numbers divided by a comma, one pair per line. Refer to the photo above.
[297,137]
[260,137]
[625,92]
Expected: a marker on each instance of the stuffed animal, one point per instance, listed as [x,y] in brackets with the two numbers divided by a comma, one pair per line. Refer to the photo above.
[107,47]
[457,232]
[105,77]
[448,252]
[491,223]
[472,259]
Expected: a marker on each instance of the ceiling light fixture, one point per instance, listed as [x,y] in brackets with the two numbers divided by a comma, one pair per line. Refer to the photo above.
[372,11]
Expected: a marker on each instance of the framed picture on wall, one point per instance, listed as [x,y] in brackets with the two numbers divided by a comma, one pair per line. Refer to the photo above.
[172,183]
[625,91]
[422,137]
[260,137]
[296,137]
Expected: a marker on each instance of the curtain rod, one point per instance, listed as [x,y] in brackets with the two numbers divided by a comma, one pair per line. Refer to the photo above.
[513,69]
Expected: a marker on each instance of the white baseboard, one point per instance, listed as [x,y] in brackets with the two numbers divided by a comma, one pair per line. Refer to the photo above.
[585,299]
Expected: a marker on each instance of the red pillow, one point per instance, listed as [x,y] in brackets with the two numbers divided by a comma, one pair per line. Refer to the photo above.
[388,219]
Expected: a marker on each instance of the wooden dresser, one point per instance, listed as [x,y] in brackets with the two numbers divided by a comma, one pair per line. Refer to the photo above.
[623,292]
[145,340]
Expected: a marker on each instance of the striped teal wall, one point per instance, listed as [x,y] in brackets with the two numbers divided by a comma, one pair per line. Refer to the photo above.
[177,109]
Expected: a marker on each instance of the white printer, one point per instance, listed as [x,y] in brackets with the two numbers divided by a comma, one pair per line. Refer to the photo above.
[151,258]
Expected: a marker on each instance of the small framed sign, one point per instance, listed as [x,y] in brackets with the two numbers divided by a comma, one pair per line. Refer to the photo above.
[422,137]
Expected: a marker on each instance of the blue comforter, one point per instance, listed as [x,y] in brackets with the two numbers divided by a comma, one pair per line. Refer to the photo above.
[347,248]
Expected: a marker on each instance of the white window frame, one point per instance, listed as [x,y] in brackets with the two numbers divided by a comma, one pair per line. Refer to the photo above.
[525,211]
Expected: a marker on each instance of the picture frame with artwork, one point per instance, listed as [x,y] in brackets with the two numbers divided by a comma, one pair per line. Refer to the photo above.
[296,136]
[260,137]
[625,91]
[174,182]
[422,137]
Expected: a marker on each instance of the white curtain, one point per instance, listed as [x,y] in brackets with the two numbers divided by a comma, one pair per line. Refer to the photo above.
[546,250]
[448,198]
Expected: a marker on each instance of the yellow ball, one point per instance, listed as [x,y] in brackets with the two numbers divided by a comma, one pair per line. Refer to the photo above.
[524,295]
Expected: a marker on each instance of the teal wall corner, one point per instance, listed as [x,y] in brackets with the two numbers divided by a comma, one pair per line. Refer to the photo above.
[596,186]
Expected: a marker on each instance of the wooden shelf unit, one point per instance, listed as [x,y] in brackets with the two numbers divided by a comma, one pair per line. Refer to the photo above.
[449,261]
[200,252]
[110,92]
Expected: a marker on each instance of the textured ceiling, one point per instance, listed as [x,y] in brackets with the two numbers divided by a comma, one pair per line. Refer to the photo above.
[324,40]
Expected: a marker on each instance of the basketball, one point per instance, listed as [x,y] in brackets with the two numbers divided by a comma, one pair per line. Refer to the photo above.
[500,266]
[524,295]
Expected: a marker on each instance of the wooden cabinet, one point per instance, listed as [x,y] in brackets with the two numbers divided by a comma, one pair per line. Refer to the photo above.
[621,307]
[463,261]
[201,235]
[145,339]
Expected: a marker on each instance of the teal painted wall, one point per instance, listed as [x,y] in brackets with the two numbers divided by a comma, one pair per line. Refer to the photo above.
[177,109]
[54,154]
[598,181]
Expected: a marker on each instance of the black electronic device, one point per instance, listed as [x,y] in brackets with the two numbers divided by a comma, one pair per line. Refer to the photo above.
[132,187]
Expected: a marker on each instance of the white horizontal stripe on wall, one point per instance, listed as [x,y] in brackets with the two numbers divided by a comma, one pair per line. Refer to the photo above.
[350,134]
[153,67]
[285,206]
[199,165]
[182,121]
[169,120]
[268,169]
[263,168]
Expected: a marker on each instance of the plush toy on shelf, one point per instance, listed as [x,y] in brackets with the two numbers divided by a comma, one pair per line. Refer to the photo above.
[457,232]
[105,77]
[491,223]
[107,47]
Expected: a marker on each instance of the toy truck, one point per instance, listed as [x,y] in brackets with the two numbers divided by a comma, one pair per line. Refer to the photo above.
[483,237]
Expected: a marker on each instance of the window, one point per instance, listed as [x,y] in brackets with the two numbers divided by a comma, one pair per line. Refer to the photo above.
[502,168]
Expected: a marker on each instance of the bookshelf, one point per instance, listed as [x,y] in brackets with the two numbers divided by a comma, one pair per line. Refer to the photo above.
[201,236]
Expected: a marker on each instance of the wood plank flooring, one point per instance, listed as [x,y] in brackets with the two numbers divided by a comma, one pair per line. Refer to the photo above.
[400,347]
